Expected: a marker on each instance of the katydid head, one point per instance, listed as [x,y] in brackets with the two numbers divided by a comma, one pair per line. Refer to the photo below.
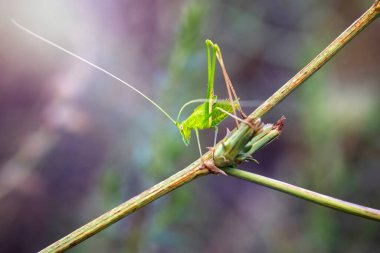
[185,132]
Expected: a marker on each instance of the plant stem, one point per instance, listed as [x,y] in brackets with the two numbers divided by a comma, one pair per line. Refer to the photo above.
[308,195]
[367,18]
[193,170]
[175,181]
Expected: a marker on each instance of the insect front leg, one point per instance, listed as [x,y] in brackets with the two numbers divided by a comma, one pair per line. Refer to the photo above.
[199,143]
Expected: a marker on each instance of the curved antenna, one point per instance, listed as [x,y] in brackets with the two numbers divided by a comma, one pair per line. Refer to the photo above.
[200,100]
[92,65]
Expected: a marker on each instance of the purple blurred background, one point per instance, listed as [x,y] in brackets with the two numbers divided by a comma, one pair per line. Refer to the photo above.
[74,143]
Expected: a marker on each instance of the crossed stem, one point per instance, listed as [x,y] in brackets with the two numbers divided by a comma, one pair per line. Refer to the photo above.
[195,169]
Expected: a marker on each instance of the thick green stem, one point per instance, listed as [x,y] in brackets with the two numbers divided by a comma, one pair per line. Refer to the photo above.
[175,181]
[308,195]
[367,18]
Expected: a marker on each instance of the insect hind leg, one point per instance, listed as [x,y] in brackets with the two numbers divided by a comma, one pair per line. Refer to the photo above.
[230,88]
[244,120]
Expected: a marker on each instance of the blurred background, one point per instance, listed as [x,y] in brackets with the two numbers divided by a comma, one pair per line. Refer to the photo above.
[74,143]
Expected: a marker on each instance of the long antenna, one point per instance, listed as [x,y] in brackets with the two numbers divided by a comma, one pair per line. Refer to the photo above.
[93,65]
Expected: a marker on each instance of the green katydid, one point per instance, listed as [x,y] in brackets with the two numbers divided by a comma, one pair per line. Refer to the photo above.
[211,112]
[207,115]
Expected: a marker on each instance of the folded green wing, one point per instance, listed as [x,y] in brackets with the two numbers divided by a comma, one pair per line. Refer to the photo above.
[199,119]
